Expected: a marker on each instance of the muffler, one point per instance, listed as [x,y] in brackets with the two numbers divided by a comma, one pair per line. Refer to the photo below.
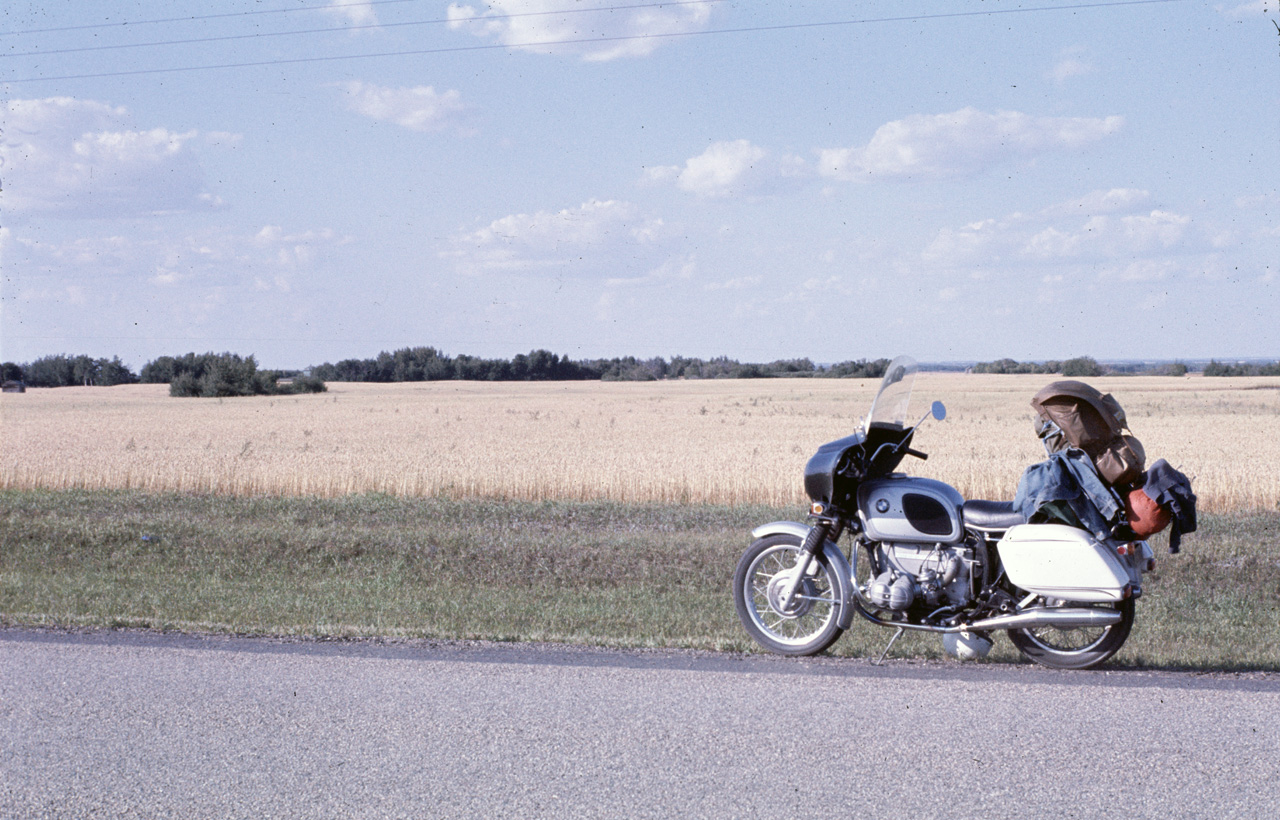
[1040,616]
[1045,616]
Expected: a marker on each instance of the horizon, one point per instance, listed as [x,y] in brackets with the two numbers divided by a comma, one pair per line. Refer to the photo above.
[1193,363]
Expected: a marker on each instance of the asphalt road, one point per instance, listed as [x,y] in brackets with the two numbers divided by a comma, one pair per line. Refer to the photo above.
[126,724]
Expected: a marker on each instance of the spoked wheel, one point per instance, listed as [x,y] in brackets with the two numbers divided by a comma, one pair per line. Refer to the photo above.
[1075,647]
[808,625]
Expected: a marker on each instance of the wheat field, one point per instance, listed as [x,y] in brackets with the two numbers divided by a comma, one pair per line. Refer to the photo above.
[715,441]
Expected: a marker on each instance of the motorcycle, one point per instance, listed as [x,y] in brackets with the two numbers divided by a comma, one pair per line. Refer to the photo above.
[921,558]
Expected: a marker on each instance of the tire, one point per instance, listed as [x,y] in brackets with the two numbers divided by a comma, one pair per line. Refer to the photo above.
[1075,648]
[811,625]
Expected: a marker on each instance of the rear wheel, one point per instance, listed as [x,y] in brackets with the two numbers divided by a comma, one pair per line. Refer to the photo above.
[809,625]
[1075,647]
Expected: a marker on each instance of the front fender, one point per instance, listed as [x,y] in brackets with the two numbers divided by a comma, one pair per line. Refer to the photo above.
[781,528]
[835,557]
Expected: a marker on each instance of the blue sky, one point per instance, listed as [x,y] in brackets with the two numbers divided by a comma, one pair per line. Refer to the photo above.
[763,180]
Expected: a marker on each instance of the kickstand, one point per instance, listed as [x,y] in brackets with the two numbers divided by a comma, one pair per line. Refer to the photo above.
[892,641]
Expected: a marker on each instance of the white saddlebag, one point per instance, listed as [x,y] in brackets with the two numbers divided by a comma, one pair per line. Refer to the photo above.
[1062,562]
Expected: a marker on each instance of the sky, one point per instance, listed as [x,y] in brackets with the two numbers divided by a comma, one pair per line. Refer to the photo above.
[309,181]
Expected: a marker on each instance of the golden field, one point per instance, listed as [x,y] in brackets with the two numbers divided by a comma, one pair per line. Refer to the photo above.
[721,441]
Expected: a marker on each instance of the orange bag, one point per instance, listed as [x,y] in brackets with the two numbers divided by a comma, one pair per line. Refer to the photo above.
[1146,517]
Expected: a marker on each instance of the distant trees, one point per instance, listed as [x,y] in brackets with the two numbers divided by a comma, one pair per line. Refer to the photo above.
[1005,366]
[219,375]
[1081,367]
[1088,367]
[1216,368]
[417,364]
[408,365]
[229,374]
[429,364]
[861,369]
[70,371]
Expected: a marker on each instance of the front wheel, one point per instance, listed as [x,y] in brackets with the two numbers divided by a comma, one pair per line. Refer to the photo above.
[1075,647]
[760,583]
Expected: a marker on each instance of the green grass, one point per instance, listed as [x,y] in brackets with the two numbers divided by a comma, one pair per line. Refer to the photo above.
[588,573]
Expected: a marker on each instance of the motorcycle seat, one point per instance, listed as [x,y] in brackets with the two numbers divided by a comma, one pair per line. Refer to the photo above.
[991,515]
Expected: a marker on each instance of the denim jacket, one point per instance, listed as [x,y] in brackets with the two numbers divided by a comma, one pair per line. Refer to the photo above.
[1172,490]
[1068,478]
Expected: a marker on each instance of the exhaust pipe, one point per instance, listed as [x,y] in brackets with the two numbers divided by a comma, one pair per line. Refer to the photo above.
[1040,616]
[1044,616]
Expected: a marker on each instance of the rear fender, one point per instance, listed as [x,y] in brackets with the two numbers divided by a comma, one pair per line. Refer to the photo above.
[835,557]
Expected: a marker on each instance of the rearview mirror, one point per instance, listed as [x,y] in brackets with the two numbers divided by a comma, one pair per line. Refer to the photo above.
[939,410]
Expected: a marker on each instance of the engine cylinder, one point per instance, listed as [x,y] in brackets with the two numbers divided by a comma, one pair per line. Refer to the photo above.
[892,591]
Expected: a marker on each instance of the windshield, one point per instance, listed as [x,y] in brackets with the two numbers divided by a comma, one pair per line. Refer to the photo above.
[890,408]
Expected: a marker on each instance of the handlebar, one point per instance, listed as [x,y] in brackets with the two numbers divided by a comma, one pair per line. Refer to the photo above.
[899,448]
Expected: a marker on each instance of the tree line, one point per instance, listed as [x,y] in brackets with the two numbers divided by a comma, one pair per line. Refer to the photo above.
[1215,368]
[224,374]
[206,374]
[229,374]
[1081,367]
[419,364]
[69,371]
[429,364]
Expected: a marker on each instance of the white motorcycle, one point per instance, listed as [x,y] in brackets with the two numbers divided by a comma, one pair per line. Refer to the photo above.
[921,558]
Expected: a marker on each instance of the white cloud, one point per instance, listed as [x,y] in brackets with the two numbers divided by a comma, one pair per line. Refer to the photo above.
[677,268]
[1100,202]
[1248,202]
[591,223]
[420,108]
[1113,239]
[1158,229]
[731,168]
[1144,270]
[68,157]
[1069,67]
[960,143]
[954,247]
[1070,64]
[938,146]
[1052,243]
[268,260]
[214,257]
[142,293]
[589,238]
[736,283]
[594,33]
[355,13]
[722,169]
[661,173]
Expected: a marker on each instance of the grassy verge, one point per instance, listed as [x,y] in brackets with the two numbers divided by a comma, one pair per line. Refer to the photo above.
[591,573]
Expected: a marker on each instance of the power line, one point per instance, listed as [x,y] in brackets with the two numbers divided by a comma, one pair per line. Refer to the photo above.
[197,18]
[331,29]
[598,40]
